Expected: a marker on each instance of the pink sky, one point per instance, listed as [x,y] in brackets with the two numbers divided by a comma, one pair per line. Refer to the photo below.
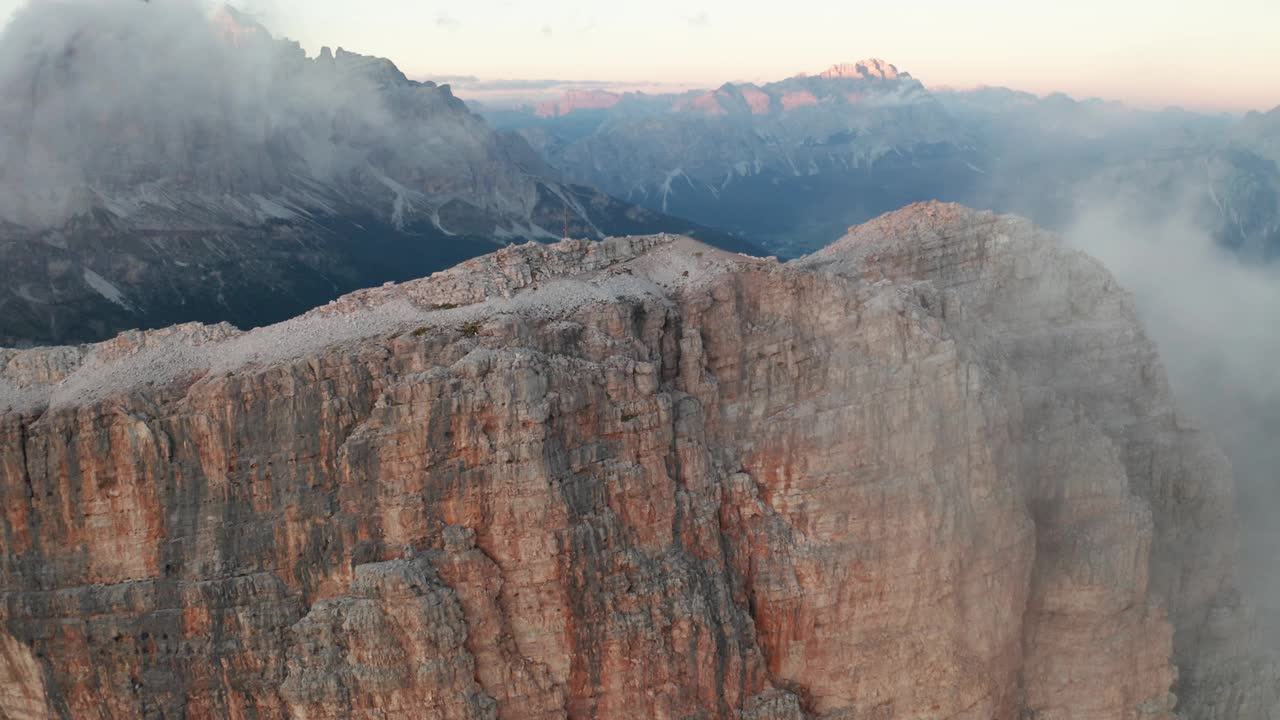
[1203,55]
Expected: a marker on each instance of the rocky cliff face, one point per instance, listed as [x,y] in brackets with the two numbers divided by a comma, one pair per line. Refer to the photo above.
[933,471]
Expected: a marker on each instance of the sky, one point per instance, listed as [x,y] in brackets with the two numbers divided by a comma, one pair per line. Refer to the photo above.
[1204,55]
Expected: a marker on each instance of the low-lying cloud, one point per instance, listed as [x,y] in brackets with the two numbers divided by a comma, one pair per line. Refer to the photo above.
[1214,318]
[699,20]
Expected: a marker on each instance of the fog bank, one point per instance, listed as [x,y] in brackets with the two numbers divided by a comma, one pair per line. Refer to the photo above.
[1214,319]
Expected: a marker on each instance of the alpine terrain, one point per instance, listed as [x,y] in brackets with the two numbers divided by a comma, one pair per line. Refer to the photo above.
[934,470]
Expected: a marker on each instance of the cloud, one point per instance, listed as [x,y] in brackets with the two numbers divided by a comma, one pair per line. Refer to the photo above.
[1213,317]
[104,99]
[447,21]
[454,79]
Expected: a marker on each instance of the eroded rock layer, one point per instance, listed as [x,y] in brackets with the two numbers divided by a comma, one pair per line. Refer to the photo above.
[932,472]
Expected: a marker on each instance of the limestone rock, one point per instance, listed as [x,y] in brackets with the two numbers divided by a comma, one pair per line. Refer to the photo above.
[932,472]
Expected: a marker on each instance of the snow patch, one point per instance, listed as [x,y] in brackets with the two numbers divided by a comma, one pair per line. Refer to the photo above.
[435,220]
[106,289]
[665,187]
[272,209]
[401,205]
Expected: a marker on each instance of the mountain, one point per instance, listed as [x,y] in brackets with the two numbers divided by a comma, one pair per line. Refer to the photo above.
[792,163]
[934,470]
[158,165]
[1247,194]
[788,164]
[1261,130]
[577,101]
[1057,159]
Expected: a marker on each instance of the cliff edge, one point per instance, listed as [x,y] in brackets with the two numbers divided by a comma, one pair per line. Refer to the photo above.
[933,471]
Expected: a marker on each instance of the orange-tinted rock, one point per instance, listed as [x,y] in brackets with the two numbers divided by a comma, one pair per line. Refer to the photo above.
[575,100]
[862,70]
[933,472]
[759,101]
[798,98]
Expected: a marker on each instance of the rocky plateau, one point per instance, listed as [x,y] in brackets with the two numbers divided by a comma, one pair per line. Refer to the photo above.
[934,470]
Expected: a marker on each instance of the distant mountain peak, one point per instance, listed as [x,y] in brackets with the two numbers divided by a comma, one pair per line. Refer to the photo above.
[578,99]
[870,68]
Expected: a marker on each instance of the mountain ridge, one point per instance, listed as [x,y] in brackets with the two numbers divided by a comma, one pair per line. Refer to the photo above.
[231,177]
[791,163]
[489,493]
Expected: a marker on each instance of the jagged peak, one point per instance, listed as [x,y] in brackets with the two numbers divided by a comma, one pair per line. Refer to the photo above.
[869,68]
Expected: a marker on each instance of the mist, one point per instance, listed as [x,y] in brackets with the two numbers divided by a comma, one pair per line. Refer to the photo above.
[110,93]
[113,103]
[1212,315]
[1180,207]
